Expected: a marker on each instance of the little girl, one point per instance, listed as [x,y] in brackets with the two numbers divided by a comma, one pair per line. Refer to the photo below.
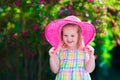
[71,58]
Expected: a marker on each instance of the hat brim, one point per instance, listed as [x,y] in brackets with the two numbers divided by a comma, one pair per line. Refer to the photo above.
[52,31]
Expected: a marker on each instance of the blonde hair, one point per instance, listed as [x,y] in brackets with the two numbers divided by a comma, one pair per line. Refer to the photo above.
[80,44]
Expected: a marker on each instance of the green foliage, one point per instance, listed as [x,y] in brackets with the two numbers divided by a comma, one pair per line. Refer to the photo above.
[23,47]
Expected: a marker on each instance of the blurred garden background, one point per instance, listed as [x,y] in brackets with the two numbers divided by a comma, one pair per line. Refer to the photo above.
[24,49]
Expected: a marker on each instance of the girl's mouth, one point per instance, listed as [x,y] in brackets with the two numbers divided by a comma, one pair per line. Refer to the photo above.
[69,41]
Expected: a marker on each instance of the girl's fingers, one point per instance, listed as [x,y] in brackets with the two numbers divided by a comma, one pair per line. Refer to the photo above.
[90,49]
[52,51]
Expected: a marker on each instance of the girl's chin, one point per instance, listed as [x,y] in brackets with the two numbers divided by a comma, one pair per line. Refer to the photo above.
[72,47]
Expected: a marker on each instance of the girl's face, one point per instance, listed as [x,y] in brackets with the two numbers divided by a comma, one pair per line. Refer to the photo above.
[70,36]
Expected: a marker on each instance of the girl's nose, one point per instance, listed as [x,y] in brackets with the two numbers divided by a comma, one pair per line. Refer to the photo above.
[69,39]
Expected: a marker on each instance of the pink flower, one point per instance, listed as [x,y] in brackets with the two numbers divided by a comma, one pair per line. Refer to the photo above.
[60,12]
[90,0]
[24,33]
[17,2]
[35,26]
[42,1]
[42,35]
[69,7]
[98,30]
[15,35]
[113,23]
[72,12]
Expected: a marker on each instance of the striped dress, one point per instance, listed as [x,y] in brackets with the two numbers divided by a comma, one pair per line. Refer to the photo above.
[72,66]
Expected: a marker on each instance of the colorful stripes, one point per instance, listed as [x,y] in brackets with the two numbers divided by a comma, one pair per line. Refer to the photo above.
[72,66]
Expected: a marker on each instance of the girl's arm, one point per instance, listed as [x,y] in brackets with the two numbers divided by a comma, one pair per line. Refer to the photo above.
[54,60]
[90,59]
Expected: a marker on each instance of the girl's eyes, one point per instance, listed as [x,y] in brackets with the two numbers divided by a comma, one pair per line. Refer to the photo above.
[67,35]
[72,35]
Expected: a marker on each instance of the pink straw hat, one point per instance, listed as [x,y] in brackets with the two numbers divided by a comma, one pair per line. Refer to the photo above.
[53,30]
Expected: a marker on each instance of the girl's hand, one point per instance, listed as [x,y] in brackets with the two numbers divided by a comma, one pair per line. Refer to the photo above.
[52,52]
[90,59]
[90,50]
